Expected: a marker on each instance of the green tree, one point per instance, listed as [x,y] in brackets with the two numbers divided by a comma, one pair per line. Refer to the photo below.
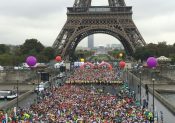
[31,46]
[81,54]
[172,58]
[142,54]
[163,49]
[116,54]
[4,48]
[6,59]
[49,52]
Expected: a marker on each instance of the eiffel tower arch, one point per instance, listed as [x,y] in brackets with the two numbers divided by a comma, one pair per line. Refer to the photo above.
[84,20]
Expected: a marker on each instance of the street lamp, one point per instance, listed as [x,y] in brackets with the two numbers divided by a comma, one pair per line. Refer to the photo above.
[17,94]
[38,74]
[140,88]
[17,88]
[152,63]
[31,62]
[153,80]
[127,74]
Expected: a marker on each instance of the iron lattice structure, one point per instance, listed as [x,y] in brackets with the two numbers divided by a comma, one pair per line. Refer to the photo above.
[84,20]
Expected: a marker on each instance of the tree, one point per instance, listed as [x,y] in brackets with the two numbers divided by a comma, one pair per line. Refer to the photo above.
[116,54]
[160,49]
[4,48]
[6,59]
[81,54]
[31,46]
[49,52]
[142,53]
[163,49]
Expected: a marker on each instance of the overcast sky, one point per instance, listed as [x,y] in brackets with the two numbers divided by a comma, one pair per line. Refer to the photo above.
[44,19]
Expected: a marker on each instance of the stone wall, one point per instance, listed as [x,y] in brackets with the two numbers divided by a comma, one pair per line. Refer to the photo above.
[2,76]
[170,73]
[14,76]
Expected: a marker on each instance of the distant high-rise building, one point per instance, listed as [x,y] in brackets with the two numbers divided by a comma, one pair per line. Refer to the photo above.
[91,41]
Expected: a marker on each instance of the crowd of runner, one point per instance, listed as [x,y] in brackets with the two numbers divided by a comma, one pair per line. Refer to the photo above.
[86,76]
[71,104]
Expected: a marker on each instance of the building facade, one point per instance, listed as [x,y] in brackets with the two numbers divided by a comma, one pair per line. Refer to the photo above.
[91,41]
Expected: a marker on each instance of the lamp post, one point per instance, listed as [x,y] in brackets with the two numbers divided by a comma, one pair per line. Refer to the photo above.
[17,88]
[140,88]
[152,63]
[31,62]
[58,59]
[127,74]
[153,80]
[51,82]
[17,94]
[38,86]
[122,66]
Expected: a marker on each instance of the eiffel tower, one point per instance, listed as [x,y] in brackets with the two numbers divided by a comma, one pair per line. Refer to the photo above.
[84,20]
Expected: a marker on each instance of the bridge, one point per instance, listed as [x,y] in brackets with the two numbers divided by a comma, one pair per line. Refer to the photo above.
[164,91]
[83,20]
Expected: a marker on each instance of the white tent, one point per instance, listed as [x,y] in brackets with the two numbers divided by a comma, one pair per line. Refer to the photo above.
[57,65]
[1,68]
[163,59]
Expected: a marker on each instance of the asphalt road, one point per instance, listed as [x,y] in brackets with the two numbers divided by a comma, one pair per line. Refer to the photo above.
[25,103]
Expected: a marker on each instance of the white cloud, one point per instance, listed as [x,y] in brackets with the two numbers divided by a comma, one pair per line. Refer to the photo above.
[44,19]
[17,30]
[158,28]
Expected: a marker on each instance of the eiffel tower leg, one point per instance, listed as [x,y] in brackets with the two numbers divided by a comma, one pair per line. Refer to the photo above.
[61,39]
[134,35]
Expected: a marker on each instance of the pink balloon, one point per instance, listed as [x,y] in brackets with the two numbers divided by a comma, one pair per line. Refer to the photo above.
[106,64]
[87,64]
[58,58]
[31,61]
[151,62]
[122,64]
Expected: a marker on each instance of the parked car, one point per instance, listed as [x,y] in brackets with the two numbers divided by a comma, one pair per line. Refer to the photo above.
[12,96]
[1,68]
[42,86]
[39,88]
[7,94]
